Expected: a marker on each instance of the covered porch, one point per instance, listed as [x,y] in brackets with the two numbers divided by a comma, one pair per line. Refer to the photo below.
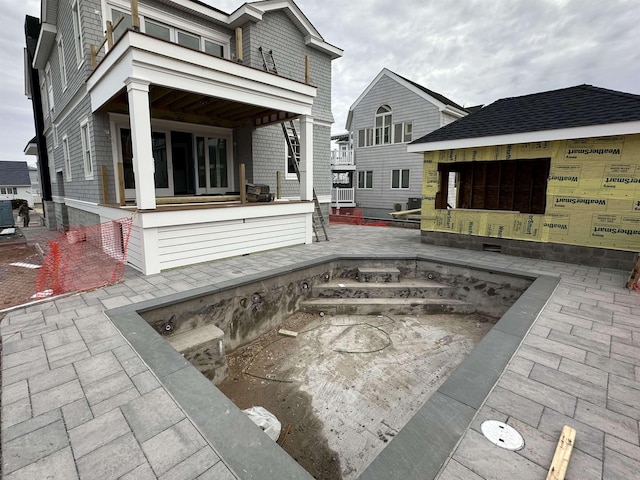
[180,124]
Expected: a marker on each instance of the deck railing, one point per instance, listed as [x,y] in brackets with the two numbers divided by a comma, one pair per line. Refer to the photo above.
[342,195]
[342,157]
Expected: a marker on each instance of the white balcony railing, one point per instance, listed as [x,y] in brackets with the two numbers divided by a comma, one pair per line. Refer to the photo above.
[342,157]
[342,195]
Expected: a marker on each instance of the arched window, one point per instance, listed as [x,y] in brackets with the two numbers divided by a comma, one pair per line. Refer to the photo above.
[383,125]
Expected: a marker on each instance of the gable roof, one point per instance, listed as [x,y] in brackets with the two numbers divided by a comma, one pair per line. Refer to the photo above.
[440,101]
[14,174]
[574,112]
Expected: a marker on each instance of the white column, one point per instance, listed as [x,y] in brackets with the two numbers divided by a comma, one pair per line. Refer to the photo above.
[306,157]
[140,120]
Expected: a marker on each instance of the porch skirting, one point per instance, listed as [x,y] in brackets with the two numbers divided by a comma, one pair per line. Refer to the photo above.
[166,239]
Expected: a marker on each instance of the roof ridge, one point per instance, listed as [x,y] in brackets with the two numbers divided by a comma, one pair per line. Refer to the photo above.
[433,93]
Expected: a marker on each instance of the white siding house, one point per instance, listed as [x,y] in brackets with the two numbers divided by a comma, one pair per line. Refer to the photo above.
[391,112]
[157,124]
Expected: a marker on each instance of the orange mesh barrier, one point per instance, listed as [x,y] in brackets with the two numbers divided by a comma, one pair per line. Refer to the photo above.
[85,258]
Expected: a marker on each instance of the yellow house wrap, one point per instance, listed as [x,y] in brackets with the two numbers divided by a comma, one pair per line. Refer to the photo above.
[593,194]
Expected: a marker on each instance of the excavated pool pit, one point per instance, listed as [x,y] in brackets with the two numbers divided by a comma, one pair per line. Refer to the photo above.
[203,323]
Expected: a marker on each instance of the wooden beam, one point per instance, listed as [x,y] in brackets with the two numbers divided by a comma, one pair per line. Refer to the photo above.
[121,183]
[109,34]
[239,44]
[243,184]
[560,462]
[105,185]
[135,17]
[307,70]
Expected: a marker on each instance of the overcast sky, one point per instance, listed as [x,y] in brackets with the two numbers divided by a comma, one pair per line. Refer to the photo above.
[471,51]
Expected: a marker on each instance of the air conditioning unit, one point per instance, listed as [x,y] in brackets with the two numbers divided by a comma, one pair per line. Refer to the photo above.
[413,203]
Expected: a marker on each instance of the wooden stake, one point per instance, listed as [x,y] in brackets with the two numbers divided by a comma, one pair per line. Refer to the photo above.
[307,70]
[94,57]
[560,462]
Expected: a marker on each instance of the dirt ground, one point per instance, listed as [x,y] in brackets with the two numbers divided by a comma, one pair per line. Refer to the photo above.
[347,384]
[17,284]
[301,435]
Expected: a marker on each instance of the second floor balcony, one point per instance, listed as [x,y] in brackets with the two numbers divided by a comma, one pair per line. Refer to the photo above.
[342,158]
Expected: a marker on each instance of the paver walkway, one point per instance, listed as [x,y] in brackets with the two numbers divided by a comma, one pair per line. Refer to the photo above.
[78,402]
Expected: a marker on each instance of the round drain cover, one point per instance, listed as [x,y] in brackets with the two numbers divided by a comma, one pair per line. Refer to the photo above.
[502,435]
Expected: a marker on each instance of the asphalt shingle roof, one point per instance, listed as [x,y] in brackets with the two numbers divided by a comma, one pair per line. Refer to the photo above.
[435,95]
[579,106]
[14,174]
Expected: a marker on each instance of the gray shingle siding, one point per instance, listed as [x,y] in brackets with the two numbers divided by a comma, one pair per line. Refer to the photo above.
[262,150]
[406,106]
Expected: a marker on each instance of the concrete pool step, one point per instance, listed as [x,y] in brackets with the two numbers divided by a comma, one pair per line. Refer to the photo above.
[204,348]
[388,306]
[405,288]
[378,274]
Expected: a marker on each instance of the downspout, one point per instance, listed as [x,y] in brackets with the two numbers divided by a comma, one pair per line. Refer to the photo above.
[32,31]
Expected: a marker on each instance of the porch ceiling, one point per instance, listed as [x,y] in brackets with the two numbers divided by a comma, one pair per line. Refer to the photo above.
[188,85]
[177,105]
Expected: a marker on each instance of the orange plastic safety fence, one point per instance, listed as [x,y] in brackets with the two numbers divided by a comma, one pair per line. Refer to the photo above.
[85,258]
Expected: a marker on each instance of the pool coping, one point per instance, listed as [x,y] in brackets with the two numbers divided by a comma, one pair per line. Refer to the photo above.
[413,453]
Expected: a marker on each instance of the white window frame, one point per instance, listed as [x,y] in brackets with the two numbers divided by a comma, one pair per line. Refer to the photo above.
[400,178]
[364,182]
[67,157]
[77,32]
[63,63]
[48,82]
[288,175]
[87,155]
[403,131]
[52,166]
[175,24]
[43,96]
[384,113]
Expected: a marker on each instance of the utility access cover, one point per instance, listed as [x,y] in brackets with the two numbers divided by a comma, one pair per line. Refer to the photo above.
[502,435]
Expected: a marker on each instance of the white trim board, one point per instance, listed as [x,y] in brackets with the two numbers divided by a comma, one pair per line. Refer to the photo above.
[627,128]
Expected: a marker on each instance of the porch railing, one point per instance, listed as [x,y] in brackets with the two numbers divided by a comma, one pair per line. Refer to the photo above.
[342,195]
[342,157]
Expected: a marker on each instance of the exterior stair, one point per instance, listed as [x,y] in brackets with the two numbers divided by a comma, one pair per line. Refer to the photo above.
[380,290]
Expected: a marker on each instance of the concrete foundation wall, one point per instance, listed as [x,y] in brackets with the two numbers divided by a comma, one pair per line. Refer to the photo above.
[597,257]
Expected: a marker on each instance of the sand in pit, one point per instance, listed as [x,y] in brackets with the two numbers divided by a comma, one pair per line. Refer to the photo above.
[346,385]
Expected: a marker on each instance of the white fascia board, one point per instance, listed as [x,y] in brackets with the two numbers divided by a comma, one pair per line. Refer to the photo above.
[192,71]
[31,149]
[269,5]
[46,40]
[627,128]
[245,13]
[169,218]
[89,207]
[347,124]
[320,44]
[202,10]
[453,111]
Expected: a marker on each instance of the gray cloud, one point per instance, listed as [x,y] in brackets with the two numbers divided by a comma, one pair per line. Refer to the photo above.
[471,51]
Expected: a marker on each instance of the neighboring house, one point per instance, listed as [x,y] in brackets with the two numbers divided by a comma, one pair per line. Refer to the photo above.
[552,175]
[391,112]
[342,171]
[34,174]
[171,111]
[15,181]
